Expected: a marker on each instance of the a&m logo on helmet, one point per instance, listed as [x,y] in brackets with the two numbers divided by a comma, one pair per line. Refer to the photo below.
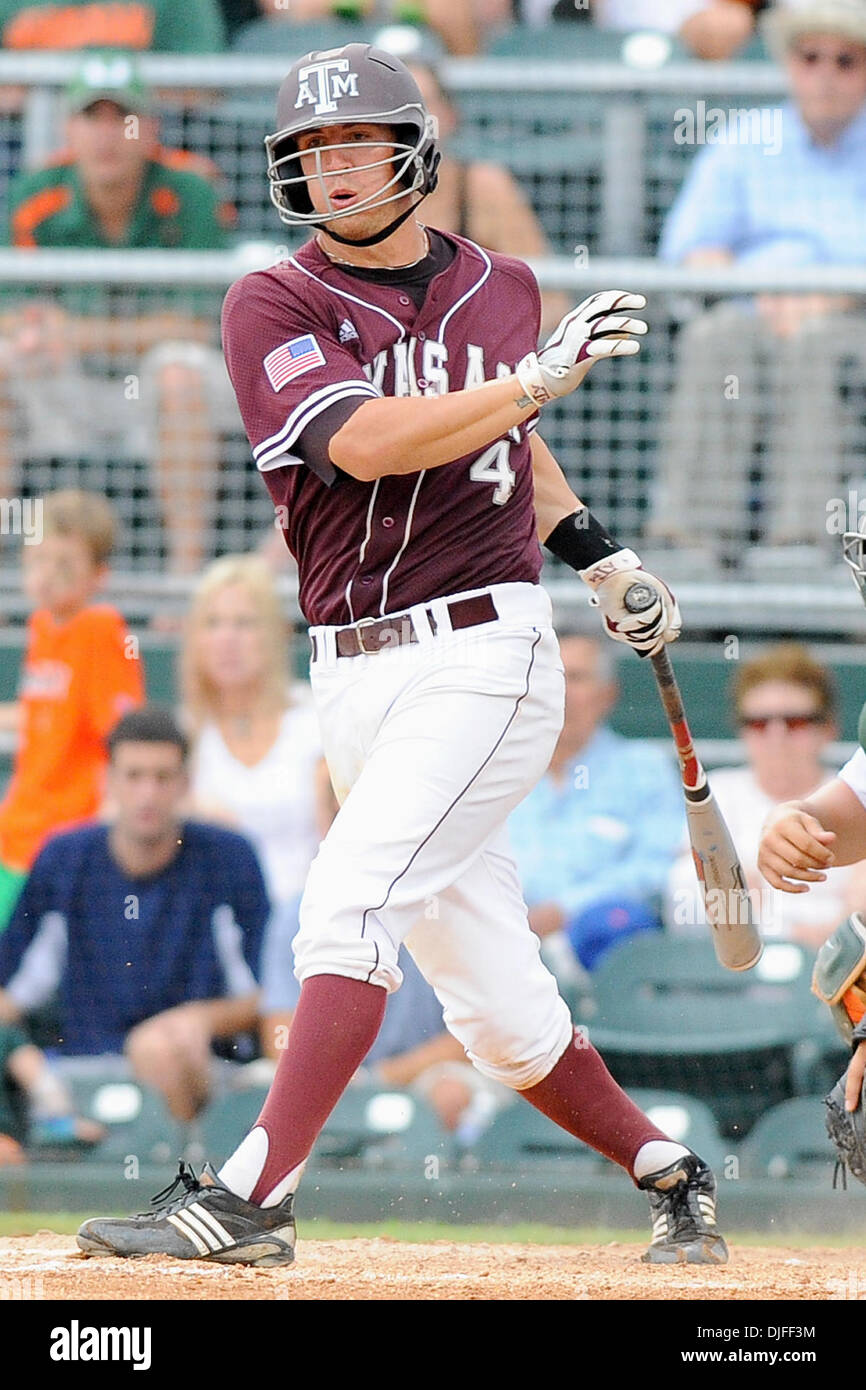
[322,84]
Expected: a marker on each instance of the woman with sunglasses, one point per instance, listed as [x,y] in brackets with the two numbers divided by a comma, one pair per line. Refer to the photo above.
[784,708]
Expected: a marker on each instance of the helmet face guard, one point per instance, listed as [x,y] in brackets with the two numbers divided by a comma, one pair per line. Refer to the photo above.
[854,555]
[290,185]
[354,85]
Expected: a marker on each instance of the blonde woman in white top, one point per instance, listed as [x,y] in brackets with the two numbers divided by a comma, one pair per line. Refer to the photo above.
[257,761]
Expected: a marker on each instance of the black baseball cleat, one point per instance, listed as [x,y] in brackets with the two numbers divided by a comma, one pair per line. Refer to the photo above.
[207,1223]
[683,1206]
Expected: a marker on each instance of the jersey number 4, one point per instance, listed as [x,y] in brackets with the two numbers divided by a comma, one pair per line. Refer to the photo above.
[493,466]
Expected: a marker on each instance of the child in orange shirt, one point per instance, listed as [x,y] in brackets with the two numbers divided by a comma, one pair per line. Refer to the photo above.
[81,672]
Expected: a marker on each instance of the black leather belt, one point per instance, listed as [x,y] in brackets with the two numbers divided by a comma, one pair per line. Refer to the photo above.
[372,635]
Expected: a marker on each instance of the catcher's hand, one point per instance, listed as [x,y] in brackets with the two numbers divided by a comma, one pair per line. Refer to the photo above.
[647,631]
[847,1128]
[794,846]
[854,1077]
[599,327]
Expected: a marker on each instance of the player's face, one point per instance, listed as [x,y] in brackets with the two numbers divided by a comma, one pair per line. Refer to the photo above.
[232,641]
[147,783]
[589,696]
[109,144]
[345,164]
[782,727]
[60,575]
[828,80]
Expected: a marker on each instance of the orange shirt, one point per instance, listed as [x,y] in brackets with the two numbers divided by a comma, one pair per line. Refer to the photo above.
[78,678]
[854,1006]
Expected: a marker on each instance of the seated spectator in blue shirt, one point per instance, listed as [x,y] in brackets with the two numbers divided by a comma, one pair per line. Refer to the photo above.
[413,1050]
[147,930]
[595,840]
[759,384]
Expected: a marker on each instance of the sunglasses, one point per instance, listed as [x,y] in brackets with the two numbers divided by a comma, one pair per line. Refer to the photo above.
[794,723]
[843,62]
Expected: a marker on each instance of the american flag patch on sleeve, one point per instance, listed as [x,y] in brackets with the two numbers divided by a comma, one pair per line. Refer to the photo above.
[292,359]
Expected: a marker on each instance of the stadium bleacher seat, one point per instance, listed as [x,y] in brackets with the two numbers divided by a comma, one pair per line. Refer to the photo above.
[789,1141]
[567,41]
[276,36]
[685,1119]
[227,1119]
[663,1012]
[137,1124]
[520,1135]
[374,1127]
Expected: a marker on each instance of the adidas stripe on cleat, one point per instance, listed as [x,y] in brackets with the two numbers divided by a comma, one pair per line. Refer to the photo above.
[683,1208]
[208,1222]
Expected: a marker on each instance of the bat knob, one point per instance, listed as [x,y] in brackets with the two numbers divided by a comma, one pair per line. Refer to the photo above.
[639,597]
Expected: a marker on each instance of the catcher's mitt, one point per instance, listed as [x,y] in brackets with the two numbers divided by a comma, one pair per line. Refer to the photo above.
[847,1131]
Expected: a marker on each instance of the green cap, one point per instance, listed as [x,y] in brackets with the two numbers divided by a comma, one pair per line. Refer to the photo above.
[108,77]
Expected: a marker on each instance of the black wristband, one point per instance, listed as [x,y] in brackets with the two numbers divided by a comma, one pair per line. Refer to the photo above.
[580,540]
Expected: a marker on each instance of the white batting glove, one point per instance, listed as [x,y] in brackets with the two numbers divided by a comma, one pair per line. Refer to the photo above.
[647,631]
[594,329]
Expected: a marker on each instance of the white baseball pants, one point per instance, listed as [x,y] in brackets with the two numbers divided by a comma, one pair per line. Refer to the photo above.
[430,746]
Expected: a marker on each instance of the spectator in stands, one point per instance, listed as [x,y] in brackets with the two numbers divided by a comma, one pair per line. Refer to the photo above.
[80,673]
[459,24]
[784,706]
[160,26]
[595,840]
[120,373]
[414,1050]
[783,191]
[257,762]
[481,200]
[34,1103]
[707,28]
[148,927]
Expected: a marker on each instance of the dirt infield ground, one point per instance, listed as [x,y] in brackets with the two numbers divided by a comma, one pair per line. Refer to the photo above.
[49,1266]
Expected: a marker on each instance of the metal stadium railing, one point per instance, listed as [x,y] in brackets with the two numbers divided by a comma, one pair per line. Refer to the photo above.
[612,437]
[596,147]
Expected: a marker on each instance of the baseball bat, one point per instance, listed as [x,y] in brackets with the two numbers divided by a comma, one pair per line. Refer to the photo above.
[727,902]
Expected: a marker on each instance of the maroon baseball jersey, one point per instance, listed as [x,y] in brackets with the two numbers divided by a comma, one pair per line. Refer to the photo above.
[306,338]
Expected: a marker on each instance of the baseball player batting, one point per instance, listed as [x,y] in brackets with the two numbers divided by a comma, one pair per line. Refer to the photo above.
[390,386]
